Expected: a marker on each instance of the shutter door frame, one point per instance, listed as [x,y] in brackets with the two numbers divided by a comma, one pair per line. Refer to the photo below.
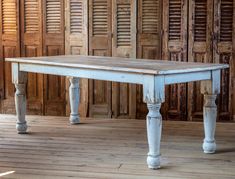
[31,45]
[149,41]
[223,50]
[100,44]
[175,107]
[10,47]
[120,48]
[53,44]
[199,50]
[76,43]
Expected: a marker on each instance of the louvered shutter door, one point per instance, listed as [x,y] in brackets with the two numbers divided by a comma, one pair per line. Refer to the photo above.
[10,47]
[124,45]
[76,43]
[31,46]
[100,44]
[53,44]
[149,40]
[223,48]
[199,49]
[175,49]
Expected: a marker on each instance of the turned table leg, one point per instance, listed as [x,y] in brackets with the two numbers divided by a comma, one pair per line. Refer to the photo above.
[74,100]
[154,96]
[20,104]
[154,130]
[20,80]
[210,89]
[209,117]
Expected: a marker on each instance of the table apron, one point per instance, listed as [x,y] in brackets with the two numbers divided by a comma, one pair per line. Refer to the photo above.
[85,73]
[188,77]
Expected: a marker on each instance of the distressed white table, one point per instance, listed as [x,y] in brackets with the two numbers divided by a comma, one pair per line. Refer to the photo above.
[152,74]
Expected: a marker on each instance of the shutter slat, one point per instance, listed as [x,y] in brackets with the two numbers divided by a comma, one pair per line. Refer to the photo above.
[150,16]
[200,26]
[226,21]
[99,18]
[76,14]
[175,10]
[123,24]
[53,16]
[31,17]
[9,23]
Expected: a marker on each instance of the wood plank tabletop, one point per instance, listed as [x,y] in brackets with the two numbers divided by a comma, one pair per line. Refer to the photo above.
[120,64]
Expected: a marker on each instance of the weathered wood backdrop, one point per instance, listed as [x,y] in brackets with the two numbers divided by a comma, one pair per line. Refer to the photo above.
[182,30]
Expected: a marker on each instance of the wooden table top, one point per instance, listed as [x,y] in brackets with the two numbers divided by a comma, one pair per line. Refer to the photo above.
[120,64]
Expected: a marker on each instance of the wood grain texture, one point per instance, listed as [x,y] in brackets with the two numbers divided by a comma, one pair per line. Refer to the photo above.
[111,149]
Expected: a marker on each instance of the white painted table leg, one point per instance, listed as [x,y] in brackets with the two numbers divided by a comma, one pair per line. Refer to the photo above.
[74,100]
[209,115]
[20,103]
[154,130]
[19,79]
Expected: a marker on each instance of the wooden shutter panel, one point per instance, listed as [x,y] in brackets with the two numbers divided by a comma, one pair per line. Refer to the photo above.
[53,44]
[175,49]
[76,43]
[199,49]
[149,40]
[223,48]
[10,47]
[31,46]
[100,44]
[124,45]
[232,104]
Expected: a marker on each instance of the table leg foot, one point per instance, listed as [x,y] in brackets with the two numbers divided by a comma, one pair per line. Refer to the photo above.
[153,162]
[209,147]
[21,127]
[74,119]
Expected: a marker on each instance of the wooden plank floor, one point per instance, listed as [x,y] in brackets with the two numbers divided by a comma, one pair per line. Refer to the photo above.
[110,148]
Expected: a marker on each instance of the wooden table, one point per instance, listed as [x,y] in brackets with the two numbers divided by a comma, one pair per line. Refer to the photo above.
[152,74]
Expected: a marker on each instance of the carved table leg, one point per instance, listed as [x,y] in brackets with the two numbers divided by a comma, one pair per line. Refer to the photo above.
[20,101]
[74,100]
[209,115]
[154,130]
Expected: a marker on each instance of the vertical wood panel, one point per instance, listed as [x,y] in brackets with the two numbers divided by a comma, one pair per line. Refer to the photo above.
[76,43]
[175,49]
[233,68]
[124,45]
[199,49]
[10,47]
[53,44]
[31,46]
[223,53]
[149,40]
[100,44]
